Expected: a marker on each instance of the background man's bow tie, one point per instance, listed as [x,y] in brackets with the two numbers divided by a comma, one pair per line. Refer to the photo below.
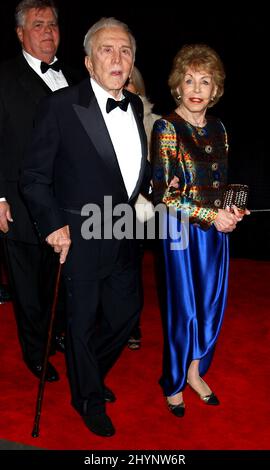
[55,66]
[111,104]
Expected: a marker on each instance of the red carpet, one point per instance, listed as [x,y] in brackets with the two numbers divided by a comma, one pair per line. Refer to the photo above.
[239,376]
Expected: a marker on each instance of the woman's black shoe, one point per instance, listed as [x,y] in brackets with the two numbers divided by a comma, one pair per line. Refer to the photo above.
[60,343]
[210,399]
[177,410]
[134,343]
[109,396]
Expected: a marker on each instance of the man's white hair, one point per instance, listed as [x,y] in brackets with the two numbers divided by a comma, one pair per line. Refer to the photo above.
[106,23]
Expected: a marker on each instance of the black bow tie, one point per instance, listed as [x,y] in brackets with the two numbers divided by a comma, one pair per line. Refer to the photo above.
[55,66]
[111,104]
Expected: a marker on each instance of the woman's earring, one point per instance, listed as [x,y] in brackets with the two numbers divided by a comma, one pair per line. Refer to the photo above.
[178,97]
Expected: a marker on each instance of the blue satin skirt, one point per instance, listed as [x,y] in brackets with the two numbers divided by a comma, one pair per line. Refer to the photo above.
[196,296]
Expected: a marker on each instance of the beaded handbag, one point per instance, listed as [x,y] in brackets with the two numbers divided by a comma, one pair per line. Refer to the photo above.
[236,195]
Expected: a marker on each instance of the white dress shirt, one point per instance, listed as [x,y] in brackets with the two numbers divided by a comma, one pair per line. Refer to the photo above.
[53,79]
[124,135]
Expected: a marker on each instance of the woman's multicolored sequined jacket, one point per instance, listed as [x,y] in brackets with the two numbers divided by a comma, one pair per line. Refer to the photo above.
[198,157]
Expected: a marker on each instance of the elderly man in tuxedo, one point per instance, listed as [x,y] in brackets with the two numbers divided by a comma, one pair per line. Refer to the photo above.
[24,80]
[89,143]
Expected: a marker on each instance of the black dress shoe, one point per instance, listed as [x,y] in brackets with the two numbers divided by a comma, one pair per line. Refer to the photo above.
[59,343]
[109,396]
[99,424]
[36,369]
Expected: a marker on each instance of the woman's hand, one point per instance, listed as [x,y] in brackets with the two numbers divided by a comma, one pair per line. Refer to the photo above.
[226,221]
[239,213]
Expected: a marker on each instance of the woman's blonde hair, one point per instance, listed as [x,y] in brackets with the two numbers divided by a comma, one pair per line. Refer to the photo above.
[198,57]
[137,81]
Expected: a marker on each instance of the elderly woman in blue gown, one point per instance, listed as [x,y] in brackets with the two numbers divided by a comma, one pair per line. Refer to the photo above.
[189,175]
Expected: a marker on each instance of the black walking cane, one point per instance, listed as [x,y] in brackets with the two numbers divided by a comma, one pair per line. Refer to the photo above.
[35,431]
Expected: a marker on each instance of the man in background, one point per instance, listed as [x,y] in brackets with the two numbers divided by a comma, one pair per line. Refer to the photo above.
[24,81]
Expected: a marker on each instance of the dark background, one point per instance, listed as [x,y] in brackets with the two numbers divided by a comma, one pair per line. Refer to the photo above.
[242,40]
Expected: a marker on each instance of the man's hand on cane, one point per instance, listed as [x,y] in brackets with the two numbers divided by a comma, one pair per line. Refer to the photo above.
[60,242]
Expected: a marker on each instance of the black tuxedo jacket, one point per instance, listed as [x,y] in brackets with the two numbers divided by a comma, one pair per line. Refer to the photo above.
[72,163]
[21,89]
